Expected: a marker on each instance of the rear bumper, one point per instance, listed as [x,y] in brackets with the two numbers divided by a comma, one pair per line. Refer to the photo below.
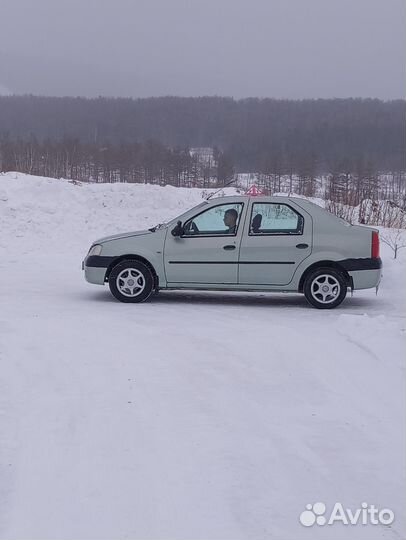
[354,265]
[365,273]
[366,279]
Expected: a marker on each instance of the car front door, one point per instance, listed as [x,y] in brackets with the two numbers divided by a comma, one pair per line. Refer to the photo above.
[277,237]
[207,251]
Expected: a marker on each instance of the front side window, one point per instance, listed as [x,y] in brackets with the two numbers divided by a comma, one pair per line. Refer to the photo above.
[218,220]
[272,218]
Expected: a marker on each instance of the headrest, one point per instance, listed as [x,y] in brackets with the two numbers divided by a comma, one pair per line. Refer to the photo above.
[256,223]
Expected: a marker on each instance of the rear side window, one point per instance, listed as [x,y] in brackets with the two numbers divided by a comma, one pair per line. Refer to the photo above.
[272,218]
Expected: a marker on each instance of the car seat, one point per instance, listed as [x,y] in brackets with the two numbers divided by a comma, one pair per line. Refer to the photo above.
[256,223]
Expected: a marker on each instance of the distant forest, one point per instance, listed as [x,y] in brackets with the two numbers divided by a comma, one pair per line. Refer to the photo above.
[58,136]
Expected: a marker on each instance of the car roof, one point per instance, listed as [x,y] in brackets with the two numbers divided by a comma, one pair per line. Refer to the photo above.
[260,198]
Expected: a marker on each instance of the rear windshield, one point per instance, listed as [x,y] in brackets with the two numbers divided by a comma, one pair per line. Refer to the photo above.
[330,214]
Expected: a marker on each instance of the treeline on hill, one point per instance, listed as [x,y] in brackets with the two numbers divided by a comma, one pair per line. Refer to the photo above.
[308,137]
[147,162]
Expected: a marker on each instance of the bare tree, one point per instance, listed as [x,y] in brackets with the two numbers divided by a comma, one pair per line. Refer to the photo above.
[395,239]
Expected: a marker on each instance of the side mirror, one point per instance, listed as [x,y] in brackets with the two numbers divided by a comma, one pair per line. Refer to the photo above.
[178,229]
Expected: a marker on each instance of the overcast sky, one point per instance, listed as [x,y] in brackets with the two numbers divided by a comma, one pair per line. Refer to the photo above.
[240,48]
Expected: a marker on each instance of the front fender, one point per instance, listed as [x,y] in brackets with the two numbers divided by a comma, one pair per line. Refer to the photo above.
[148,247]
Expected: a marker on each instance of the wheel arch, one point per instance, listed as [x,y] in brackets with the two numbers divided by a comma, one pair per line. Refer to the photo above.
[133,257]
[325,264]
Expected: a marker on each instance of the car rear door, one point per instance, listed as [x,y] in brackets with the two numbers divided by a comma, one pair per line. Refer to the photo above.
[277,238]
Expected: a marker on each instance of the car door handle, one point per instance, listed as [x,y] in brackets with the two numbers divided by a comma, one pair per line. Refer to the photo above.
[229,247]
[302,246]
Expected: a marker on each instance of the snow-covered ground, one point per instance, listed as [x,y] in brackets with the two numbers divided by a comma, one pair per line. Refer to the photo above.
[196,415]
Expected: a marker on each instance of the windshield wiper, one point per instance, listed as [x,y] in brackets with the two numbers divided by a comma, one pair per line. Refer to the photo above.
[157,227]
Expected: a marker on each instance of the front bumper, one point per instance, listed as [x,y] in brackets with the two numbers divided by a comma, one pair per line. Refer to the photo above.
[95,268]
[95,275]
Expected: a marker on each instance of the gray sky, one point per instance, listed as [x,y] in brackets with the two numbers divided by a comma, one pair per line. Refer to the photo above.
[240,48]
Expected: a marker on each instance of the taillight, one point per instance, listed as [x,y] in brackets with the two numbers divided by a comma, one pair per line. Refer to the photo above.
[375,245]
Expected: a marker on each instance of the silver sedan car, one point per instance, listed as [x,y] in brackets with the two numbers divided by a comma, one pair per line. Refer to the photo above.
[241,243]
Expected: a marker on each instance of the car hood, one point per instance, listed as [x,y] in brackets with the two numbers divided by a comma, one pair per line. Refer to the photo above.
[121,235]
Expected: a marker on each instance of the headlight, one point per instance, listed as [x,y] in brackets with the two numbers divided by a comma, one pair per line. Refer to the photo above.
[95,250]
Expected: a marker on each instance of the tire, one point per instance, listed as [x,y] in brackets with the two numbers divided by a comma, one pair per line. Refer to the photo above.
[325,288]
[131,281]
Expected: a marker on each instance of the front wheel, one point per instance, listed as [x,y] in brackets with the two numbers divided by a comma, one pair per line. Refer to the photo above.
[131,281]
[325,288]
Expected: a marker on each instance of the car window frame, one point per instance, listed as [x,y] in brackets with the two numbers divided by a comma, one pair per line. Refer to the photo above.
[225,235]
[279,233]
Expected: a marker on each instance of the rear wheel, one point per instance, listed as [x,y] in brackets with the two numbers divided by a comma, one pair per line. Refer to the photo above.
[131,281]
[325,288]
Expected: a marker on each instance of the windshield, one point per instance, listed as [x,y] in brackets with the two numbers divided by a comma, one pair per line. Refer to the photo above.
[168,221]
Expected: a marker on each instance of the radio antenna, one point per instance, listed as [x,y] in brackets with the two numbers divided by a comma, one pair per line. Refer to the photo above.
[210,195]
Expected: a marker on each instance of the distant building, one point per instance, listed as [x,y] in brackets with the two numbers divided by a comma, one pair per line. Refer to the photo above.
[205,155]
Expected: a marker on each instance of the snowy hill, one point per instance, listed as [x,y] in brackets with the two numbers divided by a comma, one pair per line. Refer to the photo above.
[196,415]
[60,210]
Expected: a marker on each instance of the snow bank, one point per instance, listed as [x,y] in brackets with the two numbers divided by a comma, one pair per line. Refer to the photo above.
[55,211]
